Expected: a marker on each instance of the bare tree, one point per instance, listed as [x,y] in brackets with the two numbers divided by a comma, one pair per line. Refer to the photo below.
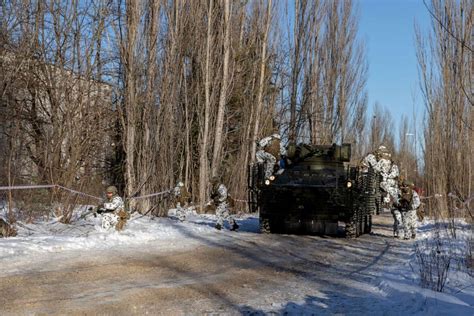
[261,82]
[445,66]
[141,93]
[216,156]
[328,72]
[204,167]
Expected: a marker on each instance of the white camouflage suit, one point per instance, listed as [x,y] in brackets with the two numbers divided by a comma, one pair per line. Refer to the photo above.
[222,207]
[265,157]
[390,173]
[409,216]
[180,209]
[389,184]
[398,230]
[110,219]
[369,161]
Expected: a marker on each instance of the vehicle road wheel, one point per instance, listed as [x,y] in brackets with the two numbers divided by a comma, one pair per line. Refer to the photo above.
[369,224]
[351,226]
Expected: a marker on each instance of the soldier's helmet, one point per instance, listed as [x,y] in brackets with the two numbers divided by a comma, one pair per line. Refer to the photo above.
[408,184]
[383,152]
[180,184]
[214,180]
[111,189]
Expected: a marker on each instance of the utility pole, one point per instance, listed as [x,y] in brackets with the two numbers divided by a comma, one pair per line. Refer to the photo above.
[373,133]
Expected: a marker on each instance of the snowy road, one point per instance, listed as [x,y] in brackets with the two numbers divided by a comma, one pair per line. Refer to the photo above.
[205,271]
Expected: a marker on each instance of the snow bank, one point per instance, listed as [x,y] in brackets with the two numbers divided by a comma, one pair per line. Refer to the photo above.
[403,284]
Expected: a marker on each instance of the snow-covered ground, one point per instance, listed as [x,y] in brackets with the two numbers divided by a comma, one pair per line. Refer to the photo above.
[457,297]
[374,274]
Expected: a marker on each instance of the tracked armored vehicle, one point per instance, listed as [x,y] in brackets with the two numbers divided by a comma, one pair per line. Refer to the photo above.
[317,192]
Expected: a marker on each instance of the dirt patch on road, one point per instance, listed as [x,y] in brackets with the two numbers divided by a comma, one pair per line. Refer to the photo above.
[151,284]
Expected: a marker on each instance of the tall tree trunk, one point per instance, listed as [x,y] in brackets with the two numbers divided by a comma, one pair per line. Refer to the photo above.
[203,161]
[132,19]
[216,156]
[261,86]
[295,73]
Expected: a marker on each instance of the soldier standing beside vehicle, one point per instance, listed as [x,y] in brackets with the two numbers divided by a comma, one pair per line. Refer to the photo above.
[408,203]
[181,198]
[113,210]
[220,199]
[383,165]
[269,148]
[389,172]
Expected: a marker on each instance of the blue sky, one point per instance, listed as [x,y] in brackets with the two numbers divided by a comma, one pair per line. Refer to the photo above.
[387,27]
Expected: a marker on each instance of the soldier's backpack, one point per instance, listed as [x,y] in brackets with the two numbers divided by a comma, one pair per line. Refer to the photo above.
[184,198]
[406,199]
[274,148]
[123,217]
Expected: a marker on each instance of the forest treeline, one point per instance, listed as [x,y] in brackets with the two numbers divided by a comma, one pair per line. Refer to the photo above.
[142,93]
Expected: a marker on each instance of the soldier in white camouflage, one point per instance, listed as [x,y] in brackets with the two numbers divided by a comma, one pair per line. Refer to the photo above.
[390,173]
[398,227]
[369,161]
[113,210]
[269,148]
[408,203]
[382,163]
[220,198]
[181,198]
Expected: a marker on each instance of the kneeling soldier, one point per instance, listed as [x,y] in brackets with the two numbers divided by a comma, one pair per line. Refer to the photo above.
[113,210]
[181,198]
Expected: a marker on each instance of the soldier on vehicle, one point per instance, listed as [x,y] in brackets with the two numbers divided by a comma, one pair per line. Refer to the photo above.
[220,198]
[408,203]
[369,161]
[269,148]
[389,172]
[113,210]
[181,198]
[381,162]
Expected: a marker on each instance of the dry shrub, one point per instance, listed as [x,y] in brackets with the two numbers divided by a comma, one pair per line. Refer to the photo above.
[434,259]
[30,205]
[445,252]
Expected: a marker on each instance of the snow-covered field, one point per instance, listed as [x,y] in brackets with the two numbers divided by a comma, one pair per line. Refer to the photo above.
[374,274]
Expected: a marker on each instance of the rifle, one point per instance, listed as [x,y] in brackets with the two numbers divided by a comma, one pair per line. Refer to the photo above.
[90,210]
[95,210]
